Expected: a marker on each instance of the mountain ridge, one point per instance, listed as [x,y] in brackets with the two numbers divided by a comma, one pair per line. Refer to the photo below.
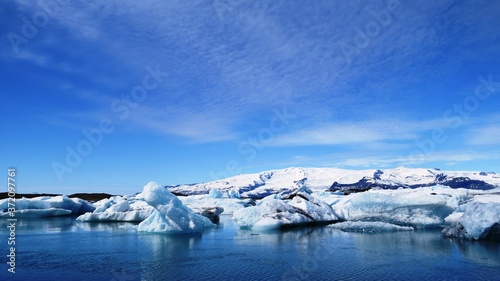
[258,185]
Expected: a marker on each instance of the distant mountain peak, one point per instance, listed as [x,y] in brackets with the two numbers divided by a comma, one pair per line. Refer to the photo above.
[258,185]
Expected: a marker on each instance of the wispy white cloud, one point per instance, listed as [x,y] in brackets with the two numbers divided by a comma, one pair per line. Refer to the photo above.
[197,127]
[353,160]
[260,55]
[484,136]
[364,132]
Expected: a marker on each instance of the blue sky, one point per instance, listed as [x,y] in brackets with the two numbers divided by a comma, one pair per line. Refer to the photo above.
[108,95]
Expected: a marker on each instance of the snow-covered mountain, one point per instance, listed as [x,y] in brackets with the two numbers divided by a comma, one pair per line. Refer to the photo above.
[320,179]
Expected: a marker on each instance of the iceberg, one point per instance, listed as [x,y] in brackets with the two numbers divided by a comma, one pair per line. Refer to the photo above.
[234,193]
[46,206]
[423,207]
[122,206]
[230,205]
[218,193]
[118,208]
[479,221]
[170,215]
[135,209]
[369,227]
[215,193]
[269,213]
[276,211]
[129,216]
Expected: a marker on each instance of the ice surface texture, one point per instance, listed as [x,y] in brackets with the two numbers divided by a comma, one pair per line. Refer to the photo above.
[118,208]
[276,211]
[46,206]
[423,207]
[169,215]
[480,220]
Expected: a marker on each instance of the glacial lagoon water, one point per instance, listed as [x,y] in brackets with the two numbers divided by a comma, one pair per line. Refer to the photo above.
[65,249]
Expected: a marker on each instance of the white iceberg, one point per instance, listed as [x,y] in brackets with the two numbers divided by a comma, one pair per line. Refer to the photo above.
[273,212]
[453,217]
[122,206]
[369,227]
[46,206]
[480,220]
[118,208]
[129,216]
[169,215]
[312,207]
[269,213]
[218,193]
[422,207]
[215,193]
[234,193]
[102,205]
[230,205]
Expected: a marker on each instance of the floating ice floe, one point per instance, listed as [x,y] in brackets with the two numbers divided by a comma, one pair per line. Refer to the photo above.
[135,209]
[169,215]
[369,227]
[422,207]
[479,221]
[118,208]
[46,206]
[275,211]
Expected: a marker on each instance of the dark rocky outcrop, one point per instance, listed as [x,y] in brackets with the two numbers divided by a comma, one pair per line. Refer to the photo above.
[377,174]
[362,185]
[457,230]
[211,213]
[367,183]
[465,182]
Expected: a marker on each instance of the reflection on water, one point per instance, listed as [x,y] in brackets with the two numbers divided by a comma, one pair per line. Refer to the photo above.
[57,224]
[64,224]
[167,252]
[51,248]
[486,253]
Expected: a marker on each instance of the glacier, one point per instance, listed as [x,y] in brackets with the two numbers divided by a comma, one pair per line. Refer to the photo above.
[46,206]
[170,215]
[260,185]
